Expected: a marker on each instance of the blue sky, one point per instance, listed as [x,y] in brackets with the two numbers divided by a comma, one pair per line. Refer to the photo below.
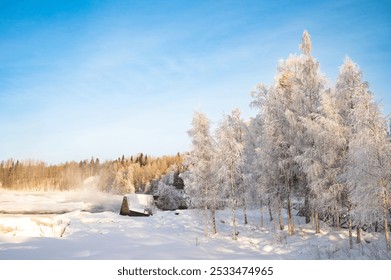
[106,78]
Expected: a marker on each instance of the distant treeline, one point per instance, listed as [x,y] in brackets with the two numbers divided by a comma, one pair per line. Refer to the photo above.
[123,175]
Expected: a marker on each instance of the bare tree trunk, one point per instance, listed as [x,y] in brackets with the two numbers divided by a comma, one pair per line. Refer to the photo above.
[307,211]
[206,212]
[234,232]
[386,233]
[275,221]
[387,236]
[316,218]
[214,228]
[234,203]
[337,223]
[350,234]
[261,208]
[291,227]
[280,215]
[358,231]
[244,211]
[350,229]
[270,211]
[213,210]
[279,211]
[313,217]
[388,246]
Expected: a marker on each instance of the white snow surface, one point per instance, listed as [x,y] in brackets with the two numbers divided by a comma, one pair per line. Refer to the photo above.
[86,225]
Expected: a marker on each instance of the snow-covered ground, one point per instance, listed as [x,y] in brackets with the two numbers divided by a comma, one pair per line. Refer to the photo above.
[86,225]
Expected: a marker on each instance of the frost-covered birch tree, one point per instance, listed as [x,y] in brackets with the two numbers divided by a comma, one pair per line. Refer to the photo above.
[242,181]
[348,92]
[349,95]
[230,161]
[318,137]
[252,165]
[274,149]
[326,147]
[368,166]
[296,97]
[199,184]
[269,148]
[303,78]
[289,150]
[321,160]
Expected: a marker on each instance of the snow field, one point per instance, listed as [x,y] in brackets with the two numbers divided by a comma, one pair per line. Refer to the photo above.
[105,235]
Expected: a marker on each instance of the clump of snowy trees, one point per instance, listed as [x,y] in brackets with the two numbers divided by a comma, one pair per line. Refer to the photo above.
[324,148]
[135,173]
[168,191]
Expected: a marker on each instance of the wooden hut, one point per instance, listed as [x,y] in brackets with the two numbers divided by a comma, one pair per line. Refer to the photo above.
[137,205]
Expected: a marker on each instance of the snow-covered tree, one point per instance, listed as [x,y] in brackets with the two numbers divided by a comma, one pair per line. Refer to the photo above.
[347,94]
[286,110]
[230,160]
[199,182]
[123,181]
[328,147]
[169,198]
[268,145]
[321,160]
[368,169]
[298,89]
[251,165]
[240,128]
[279,167]
[303,78]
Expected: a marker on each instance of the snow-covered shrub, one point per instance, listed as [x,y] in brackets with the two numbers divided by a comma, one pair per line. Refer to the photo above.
[169,198]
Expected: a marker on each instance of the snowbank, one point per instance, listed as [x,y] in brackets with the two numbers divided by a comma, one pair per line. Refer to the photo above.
[166,236]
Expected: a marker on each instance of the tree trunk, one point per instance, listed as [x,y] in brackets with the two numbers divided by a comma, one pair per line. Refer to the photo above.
[275,221]
[234,203]
[317,225]
[350,229]
[350,233]
[270,211]
[214,228]
[244,211]
[234,232]
[261,208]
[291,227]
[279,214]
[313,217]
[385,204]
[213,210]
[358,230]
[307,211]
[386,233]
[336,216]
[206,212]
